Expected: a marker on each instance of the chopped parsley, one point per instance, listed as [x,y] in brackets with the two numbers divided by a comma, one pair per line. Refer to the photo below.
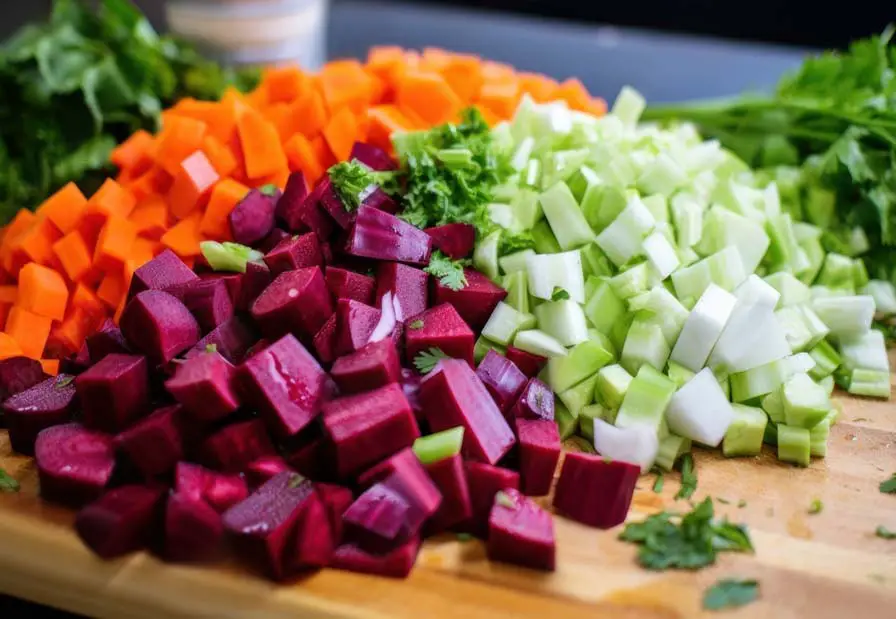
[889,486]
[450,273]
[8,483]
[354,182]
[884,533]
[742,503]
[269,190]
[659,483]
[816,507]
[210,348]
[688,477]
[416,324]
[427,360]
[730,593]
[559,294]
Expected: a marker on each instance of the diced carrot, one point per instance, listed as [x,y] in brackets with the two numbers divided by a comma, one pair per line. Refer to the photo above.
[384,120]
[344,83]
[498,71]
[501,98]
[134,155]
[378,89]
[574,93]
[42,291]
[224,197]
[284,84]
[260,143]
[110,199]
[9,347]
[223,124]
[50,366]
[192,184]
[73,255]
[463,72]
[283,117]
[597,107]
[153,181]
[258,98]
[4,312]
[84,299]
[11,256]
[219,155]
[219,117]
[434,59]
[302,158]
[180,137]
[428,96]
[323,153]
[183,238]
[112,290]
[310,113]
[540,87]
[381,59]
[66,337]
[29,330]
[488,115]
[151,217]
[37,243]
[341,133]
[278,178]
[64,208]
[144,250]
[9,293]
[113,246]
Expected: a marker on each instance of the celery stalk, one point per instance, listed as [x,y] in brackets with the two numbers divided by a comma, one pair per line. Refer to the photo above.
[613,382]
[567,221]
[505,322]
[582,361]
[439,445]
[793,445]
[567,423]
[483,345]
[744,435]
[672,447]
[646,399]
[805,402]
[645,344]
[579,396]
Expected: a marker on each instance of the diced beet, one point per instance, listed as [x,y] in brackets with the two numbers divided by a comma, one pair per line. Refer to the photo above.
[381,200]
[475,302]
[296,302]
[368,427]
[233,281]
[449,477]
[326,340]
[290,204]
[231,339]
[263,526]
[454,240]
[73,365]
[407,285]
[253,218]
[521,532]
[383,236]
[309,214]
[372,156]
[378,520]
[155,444]
[159,326]
[294,252]
[273,239]
[114,393]
[539,442]
[106,341]
[396,564]
[232,448]
[326,252]
[440,327]
[535,402]
[355,323]
[285,384]
[194,531]
[484,481]
[121,521]
[46,404]
[529,364]
[315,540]
[410,384]
[504,381]
[594,491]
[206,386]
[165,270]
[332,204]
[371,366]
[336,499]
[345,284]
[452,395]
[316,460]
[74,464]
[380,471]
[255,280]
[207,299]
[261,470]
[221,491]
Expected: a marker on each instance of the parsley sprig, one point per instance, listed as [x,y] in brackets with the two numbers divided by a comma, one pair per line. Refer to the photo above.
[450,273]
[427,360]
[8,483]
[354,182]
[730,593]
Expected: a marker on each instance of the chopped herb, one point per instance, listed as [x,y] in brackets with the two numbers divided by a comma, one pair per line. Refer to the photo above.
[449,272]
[723,501]
[427,360]
[889,486]
[730,593]
[860,419]
[660,481]
[64,381]
[465,537]
[416,324]
[559,294]
[503,499]
[8,483]
[211,348]
[816,506]
[354,181]
[269,190]
[884,533]
[295,481]
[741,504]
[688,477]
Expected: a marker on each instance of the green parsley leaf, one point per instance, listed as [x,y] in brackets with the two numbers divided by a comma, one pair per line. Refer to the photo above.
[884,533]
[210,348]
[688,477]
[269,190]
[449,272]
[889,486]
[415,324]
[8,483]
[723,501]
[659,483]
[816,506]
[354,182]
[730,593]
[427,360]
[559,294]
[503,499]
[742,503]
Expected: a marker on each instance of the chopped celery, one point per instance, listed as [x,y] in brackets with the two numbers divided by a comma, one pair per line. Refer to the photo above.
[567,423]
[859,274]
[805,401]
[582,361]
[837,272]
[567,221]
[526,208]
[672,447]
[753,337]
[602,204]
[870,383]
[687,217]
[485,256]
[612,384]
[587,416]
[828,383]
[700,410]
[505,322]
[884,295]
[604,308]
[644,344]
[228,256]
[845,316]
[551,271]
[784,249]
[773,405]
[802,326]
[620,330]
[483,345]
[581,181]
[792,290]
[758,381]
[744,435]
[501,214]
[646,400]
[561,164]
[538,343]
[818,435]
[637,444]
[621,240]
[579,396]
[723,268]
[517,286]
[660,254]
[723,228]
[439,445]
[632,281]
[563,320]
[658,207]
[867,351]
[703,328]
[596,260]
[819,205]
[511,263]
[663,175]
[756,291]
[628,106]
[793,445]
[678,374]
[815,255]
[523,152]
[544,239]
[660,306]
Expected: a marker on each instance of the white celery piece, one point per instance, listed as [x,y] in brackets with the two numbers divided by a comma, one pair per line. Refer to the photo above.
[806,402]
[612,384]
[526,209]
[523,153]
[549,271]
[485,256]
[633,281]
[678,374]
[565,217]
[644,344]
[636,445]
[700,411]
[660,254]
[723,228]
[867,351]
[505,322]
[802,329]
[703,328]
[663,175]
[628,106]
[687,217]
[563,320]
[621,240]
[764,379]
[792,290]
[511,263]
[646,400]
[752,337]
[672,447]
[724,268]
[604,308]
[754,290]
[870,383]
[581,361]
[584,179]
[501,214]
[846,316]
[658,207]
[660,306]
[884,295]
[538,343]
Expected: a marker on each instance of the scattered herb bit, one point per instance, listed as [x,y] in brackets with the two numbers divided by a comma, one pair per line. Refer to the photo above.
[816,506]
[741,504]
[889,486]
[465,537]
[295,481]
[503,499]
[884,533]
[64,381]
[210,348]
[691,541]
[269,190]
[659,483]
[354,181]
[559,294]
[860,419]
[416,324]
[449,272]
[8,483]
[427,360]
[723,501]
[688,477]
[730,593]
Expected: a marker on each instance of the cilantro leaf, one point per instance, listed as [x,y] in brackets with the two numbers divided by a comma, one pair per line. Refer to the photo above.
[688,477]
[427,360]
[450,273]
[889,486]
[884,533]
[8,483]
[730,593]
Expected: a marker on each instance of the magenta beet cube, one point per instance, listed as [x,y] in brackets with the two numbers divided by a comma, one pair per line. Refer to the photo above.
[18,374]
[165,270]
[395,564]
[407,285]
[121,521]
[106,341]
[46,404]
[221,491]
[315,460]
[475,302]
[233,281]
[529,364]
[332,204]
[594,491]
[382,236]
[355,323]
[309,214]
[521,532]
[535,402]
[271,241]
[208,300]
[345,284]
[485,481]
[261,470]
[378,520]
[255,280]
[385,468]
[294,252]
[231,339]
[336,500]
[114,393]
[154,444]
[74,464]
[454,240]
[372,366]
[74,365]
[285,384]
[410,384]
[504,381]
[452,395]
[194,531]
[253,218]
[325,340]
[158,325]
[315,540]
[443,328]
[539,451]
[290,204]
[232,448]
[206,386]
[449,477]
[296,302]
[367,427]
[381,200]
[372,156]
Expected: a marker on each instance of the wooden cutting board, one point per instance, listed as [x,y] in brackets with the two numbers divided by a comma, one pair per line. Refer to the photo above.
[828,565]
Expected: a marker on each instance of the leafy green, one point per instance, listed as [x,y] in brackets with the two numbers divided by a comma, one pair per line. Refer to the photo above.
[691,541]
[730,593]
[884,533]
[8,483]
[688,477]
[449,272]
[427,360]
[79,83]
[416,324]
[352,181]
[659,483]
[889,486]
[559,294]
[816,507]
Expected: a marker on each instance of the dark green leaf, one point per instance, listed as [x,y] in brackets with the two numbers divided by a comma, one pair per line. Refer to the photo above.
[889,486]
[884,532]
[559,294]
[427,360]
[730,593]
[8,483]
[688,477]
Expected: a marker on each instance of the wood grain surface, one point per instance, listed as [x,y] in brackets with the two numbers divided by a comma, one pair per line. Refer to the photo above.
[828,565]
